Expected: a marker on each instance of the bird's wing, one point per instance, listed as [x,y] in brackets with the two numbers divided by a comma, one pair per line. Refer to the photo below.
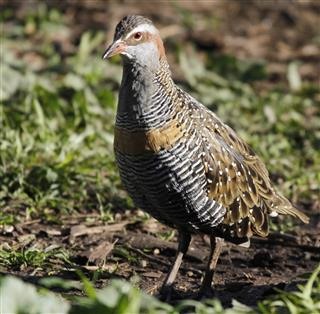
[237,178]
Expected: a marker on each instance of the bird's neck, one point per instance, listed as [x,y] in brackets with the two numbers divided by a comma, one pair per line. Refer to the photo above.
[145,99]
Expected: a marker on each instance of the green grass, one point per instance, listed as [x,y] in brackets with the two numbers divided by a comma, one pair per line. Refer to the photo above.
[122,298]
[305,300]
[57,114]
[56,139]
[32,257]
[56,132]
[57,122]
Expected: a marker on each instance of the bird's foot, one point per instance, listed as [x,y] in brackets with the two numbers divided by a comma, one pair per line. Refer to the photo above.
[166,292]
[205,292]
[169,293]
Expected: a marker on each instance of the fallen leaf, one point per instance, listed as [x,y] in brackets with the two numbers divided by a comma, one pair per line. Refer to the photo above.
[152,274]
[26,239]
[80,230]
[52,232]
[99,254]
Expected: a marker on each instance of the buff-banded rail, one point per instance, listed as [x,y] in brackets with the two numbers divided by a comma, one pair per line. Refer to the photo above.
[178,161]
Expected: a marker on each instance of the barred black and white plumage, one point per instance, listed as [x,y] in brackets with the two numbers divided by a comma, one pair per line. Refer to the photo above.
[178,161]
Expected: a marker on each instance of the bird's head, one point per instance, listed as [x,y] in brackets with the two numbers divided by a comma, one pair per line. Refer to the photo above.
[138,41]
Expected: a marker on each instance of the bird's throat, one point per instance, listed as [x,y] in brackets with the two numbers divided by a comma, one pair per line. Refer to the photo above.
[143,99]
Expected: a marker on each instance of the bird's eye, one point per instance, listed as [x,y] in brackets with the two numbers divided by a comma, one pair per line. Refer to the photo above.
[137,36]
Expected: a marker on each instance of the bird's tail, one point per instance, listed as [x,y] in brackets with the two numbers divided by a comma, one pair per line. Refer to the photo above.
[282,206]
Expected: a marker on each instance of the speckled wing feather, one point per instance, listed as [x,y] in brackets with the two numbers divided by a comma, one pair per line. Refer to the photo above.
[236,177]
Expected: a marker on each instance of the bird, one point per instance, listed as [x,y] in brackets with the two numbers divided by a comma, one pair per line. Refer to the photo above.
[179,162]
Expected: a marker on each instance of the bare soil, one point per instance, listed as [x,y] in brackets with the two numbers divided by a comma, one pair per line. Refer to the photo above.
[130,250]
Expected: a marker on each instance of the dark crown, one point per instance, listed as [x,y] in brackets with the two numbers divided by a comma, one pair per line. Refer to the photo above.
[128,23]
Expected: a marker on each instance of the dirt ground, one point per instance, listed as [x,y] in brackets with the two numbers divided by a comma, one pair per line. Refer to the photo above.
[129,248]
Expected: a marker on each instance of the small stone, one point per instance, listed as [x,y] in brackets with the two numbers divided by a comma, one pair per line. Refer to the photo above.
[143,263]
[8,229]
[189,273]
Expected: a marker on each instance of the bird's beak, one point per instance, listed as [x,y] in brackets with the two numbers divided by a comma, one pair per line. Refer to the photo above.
[114,49]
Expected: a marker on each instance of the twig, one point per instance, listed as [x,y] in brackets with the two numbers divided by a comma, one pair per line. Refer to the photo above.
[145,241]
[160,261]
[304,247]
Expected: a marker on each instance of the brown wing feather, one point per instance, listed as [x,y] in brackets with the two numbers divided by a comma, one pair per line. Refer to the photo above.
[239,180]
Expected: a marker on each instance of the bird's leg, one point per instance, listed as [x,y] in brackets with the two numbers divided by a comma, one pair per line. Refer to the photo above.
[216,245]
[184,241]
